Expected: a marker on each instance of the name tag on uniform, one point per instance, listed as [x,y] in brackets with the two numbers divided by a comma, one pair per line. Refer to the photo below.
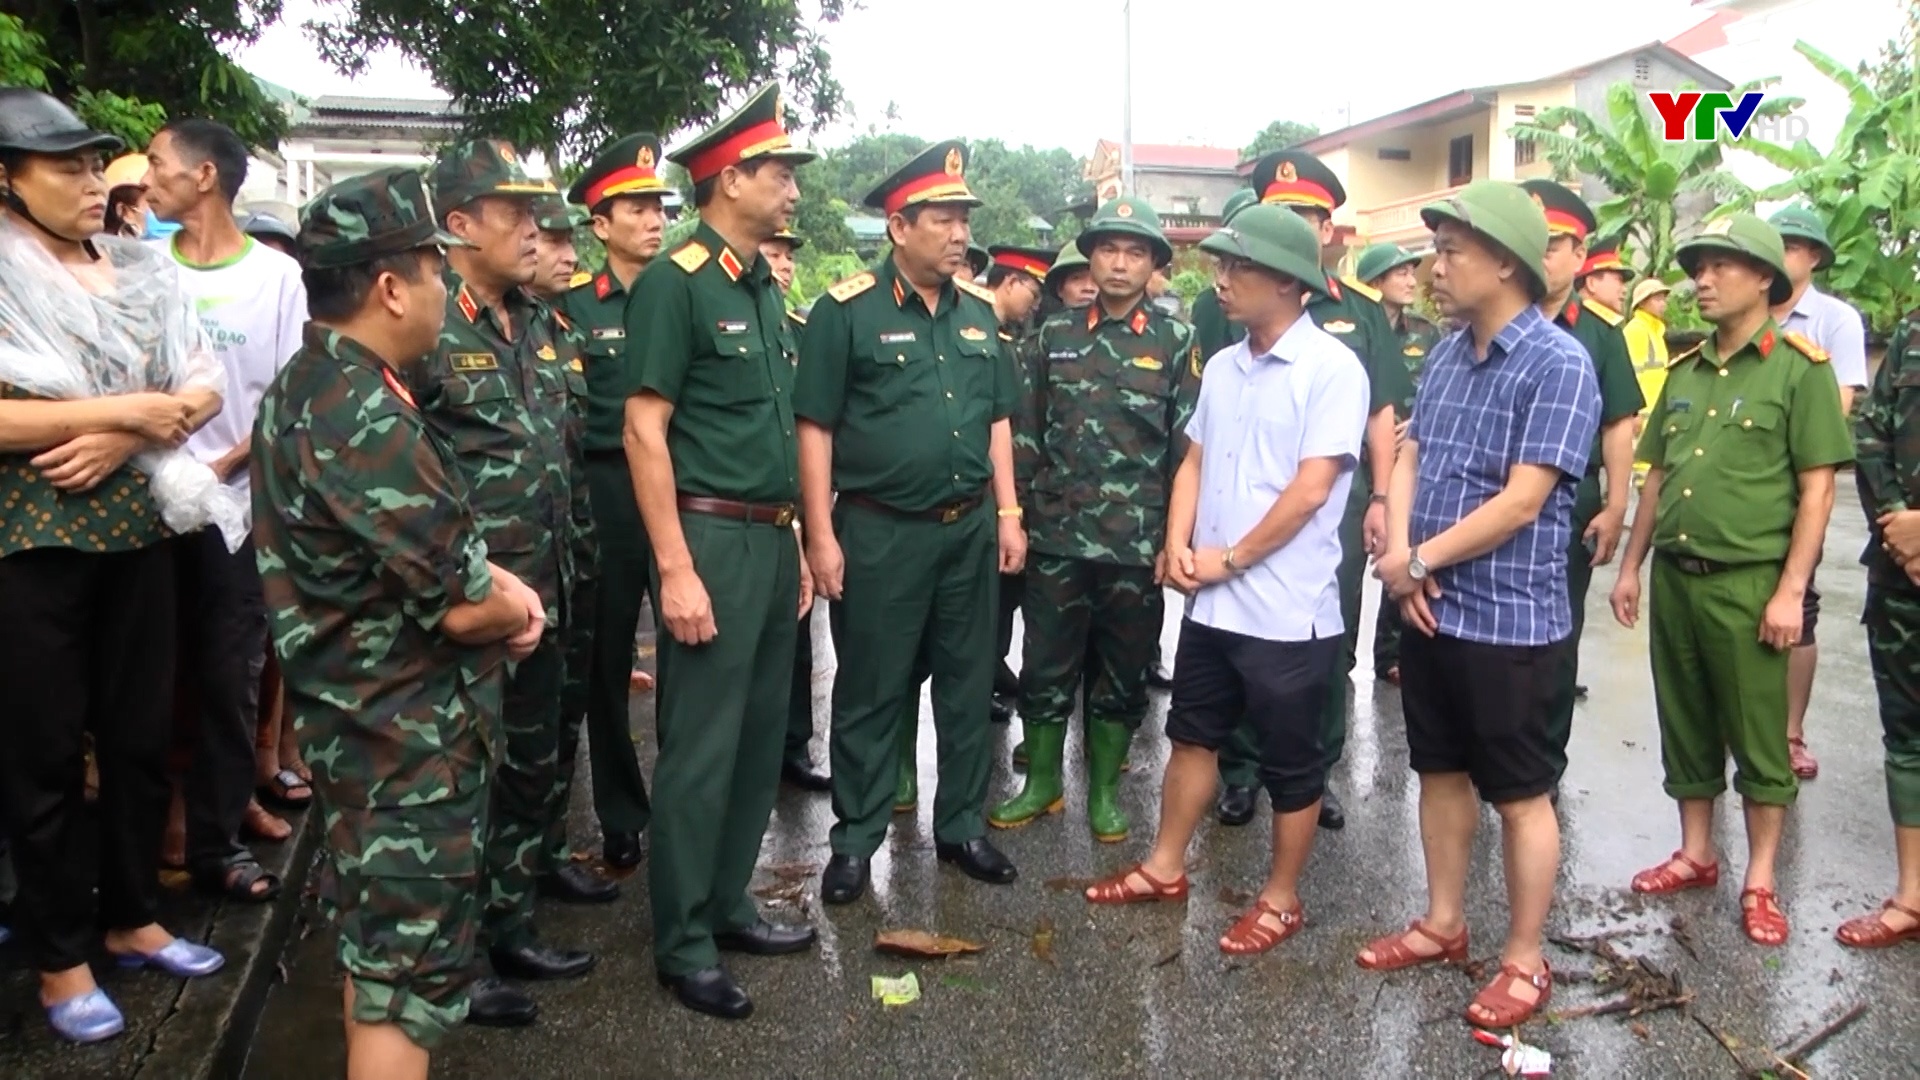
[1679,405]
[473,361]
[546,353]
[973,333]
[610,333]
[898,337]
[1146,363]
[728,326]
[1064,354]
[1338,326]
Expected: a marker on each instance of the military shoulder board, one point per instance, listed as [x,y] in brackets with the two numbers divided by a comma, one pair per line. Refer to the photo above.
[692,256]
[853,286]
[1362,288]
[1800,341]
[976,291]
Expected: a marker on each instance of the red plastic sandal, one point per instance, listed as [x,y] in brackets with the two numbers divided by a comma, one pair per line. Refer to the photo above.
[1495,1006]
[1249,935]
[1115,890]
[1665,879]
[1392,953]
[1872,932]
[1765,923]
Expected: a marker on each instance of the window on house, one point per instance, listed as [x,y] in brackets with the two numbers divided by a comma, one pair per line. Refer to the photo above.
[1460,161]
[1523,110]
[1525,152]
[1394,154]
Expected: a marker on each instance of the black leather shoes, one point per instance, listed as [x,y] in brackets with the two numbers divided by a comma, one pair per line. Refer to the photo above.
[711,991]
[979,860]
[575,884]
[1236,805]
[1332,814]
[803,776]
[765,939]
[845,879]
[623,850]
[538,961]
[1000,712]
[492,1003]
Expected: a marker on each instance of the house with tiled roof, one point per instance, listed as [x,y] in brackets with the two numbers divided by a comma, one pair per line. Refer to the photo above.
[1186,185]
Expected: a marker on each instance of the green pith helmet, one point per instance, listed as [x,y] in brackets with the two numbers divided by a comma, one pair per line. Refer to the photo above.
[1237,202]
[1505,214]
[384,212]
[1128,215]
[1273,236]
[471,170]
[1064,265]
[1377,259]
[1801,223]
[1742,234]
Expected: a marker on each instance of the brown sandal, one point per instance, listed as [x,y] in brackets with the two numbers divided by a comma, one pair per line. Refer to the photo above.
[1392,953]
[1115,890]
[1765,922]
[1249,935]
[1872,932]
[1502,1008]
[1802,760]
[1663,879]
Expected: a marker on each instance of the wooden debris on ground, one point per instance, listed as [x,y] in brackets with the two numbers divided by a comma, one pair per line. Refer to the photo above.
[920,943]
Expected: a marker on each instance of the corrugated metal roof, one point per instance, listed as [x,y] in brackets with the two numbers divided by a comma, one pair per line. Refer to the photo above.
[341,103]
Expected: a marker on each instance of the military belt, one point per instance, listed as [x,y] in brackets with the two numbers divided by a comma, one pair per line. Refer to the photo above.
[945,514]
[1687,564]
[777,514]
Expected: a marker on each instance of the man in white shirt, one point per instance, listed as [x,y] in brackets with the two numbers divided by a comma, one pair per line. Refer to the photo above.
[253,306]
[1253,539]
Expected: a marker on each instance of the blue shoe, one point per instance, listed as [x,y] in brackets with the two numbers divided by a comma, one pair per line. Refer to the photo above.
[88,1018]
[180,958]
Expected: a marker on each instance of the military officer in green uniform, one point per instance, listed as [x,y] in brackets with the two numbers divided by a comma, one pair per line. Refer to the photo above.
[1068,284]
[622,191]
[1597,521]
[904,398]
[391,625]
[1350,312]
[1109,391]
[1602,282]
[1743,445]
[710,442]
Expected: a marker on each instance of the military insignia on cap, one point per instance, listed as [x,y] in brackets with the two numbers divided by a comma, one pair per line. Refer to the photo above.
[954,164]
[1288,172]
[644,159]
[1123,210]
[1722,227]
[506,151]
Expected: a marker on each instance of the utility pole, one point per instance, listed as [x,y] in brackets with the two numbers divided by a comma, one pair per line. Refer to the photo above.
[1126,102]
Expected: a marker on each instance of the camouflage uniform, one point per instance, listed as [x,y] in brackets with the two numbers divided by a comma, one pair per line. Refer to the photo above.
[1887,471]
[570,346]
[1417,339]
[365,542]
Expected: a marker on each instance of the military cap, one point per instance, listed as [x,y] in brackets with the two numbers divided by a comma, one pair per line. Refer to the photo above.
[1746,235]
[790,238]
[1064,264]
[1801,223]
[1035,261]
[1647,290]
[1128,215]
[1604,257]
[384,212]
[1297,178]
[1273,237]
[936,175]
[550,213]
[1237,202]
[1505,214]
[756,130]
[627,166]
[1377,259]
[480,167]
[978,259]
[1567,213]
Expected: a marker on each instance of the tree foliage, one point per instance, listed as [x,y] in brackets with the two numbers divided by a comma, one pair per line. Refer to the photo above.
[567,75]
[1278,136]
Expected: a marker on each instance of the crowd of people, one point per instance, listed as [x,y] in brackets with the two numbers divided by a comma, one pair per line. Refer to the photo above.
[471,467]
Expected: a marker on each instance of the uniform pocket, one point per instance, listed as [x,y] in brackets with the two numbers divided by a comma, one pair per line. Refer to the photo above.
[1678,430]
[1752,436]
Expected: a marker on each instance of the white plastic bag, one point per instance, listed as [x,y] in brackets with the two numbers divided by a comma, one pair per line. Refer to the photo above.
[131,329]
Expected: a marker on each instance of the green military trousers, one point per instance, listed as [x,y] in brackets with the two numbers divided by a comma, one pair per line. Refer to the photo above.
[1587,501]
[1718,690]
[1892,620]
[577,652]
[1094,623]
[800,695]
[619,788]
[527,795]
[912,584]
[723,714]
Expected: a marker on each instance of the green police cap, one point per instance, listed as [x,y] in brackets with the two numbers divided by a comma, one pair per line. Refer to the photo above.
[1377,259]
[1742,234]
[550,213]
[480,167]
[384,212]
[1064,264]
[1237,202]
[757,130]
[936,175]
[1128,215]
[978,259]
[1801,223]
[1274,237]
[627,166]
[1505,214]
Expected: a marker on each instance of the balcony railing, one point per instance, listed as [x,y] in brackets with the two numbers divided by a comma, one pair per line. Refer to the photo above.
[1399,219]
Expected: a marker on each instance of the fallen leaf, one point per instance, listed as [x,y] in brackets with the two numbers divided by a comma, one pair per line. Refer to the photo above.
[1043,939]
[922,943]
[1639,1031]
[1068,884]
[784,892]
[793,871]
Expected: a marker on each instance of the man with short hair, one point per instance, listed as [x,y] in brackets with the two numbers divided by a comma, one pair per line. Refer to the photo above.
[1479,513]
[1602,282]
[1743,444]
[1837,328]
[253,307]
[553,274]
[1068,284]
[906,452]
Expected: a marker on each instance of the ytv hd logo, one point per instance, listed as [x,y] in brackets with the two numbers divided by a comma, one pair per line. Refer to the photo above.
[1693,115]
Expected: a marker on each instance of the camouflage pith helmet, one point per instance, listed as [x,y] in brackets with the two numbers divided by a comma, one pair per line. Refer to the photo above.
[1237,202]
[1064,265]
[1128,215]
[471,170]
[1377,259]
[384,212]
[1800,223]
[1272,236]
[1505,214]
[550,214]
[1746,235]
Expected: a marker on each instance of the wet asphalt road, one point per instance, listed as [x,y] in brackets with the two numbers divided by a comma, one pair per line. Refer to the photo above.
[1145,991]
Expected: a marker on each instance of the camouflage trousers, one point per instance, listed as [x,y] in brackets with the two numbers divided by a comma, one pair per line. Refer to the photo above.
[578,657]
[1091,624]
[1892,619]
[525,791]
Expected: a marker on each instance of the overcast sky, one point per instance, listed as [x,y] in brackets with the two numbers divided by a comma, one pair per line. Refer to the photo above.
[1205,71]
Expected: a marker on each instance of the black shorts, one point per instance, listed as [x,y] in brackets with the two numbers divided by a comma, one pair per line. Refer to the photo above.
[1809,613]
[1221,678]
[1483,710]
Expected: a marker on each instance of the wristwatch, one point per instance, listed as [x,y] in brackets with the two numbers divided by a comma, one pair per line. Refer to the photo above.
[1226,560]
[1416,569]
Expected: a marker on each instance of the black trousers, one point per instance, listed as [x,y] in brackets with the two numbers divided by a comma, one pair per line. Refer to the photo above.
[86,644]
[223,643]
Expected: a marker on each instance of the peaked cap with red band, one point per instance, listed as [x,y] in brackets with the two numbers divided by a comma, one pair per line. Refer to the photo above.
[1604,258]
[1035,261]
[1567,213]
[937,174]
[1297,178]
[755,131]
[627,166]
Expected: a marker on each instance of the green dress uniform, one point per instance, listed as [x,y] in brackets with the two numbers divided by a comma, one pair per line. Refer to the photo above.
[496,393]
[910,396]
[797,751]
[365,542]
[1887,472]
[1731,435]
[626,168]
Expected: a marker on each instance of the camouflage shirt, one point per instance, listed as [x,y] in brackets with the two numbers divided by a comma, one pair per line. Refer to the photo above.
[570,347]
[1107,406]
[1886,439]
[364,543]
[1417,339]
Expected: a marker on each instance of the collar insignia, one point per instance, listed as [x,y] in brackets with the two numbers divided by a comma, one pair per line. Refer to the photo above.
[399,388]
[468,305]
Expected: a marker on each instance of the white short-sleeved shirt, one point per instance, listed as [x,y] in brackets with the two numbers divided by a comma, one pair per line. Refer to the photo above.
[1257,418]
[1834,325]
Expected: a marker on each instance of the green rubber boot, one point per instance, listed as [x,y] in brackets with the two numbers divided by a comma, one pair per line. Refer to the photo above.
[906,788]
[1107,745]
[1042,794]
[1020,755]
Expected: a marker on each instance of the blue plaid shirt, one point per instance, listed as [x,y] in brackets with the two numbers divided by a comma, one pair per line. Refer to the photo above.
[1533,401]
